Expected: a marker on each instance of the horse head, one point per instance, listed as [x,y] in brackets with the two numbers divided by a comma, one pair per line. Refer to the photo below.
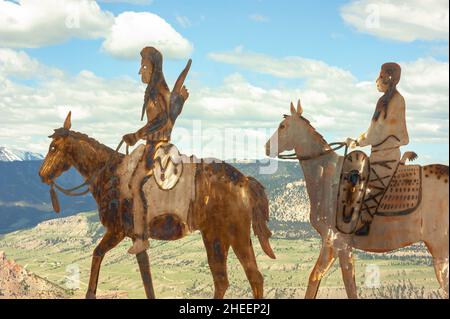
[294,132]
[57,159]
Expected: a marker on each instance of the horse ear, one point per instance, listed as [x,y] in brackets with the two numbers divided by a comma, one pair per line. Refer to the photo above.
[68,122]
[293,112]
[299,107]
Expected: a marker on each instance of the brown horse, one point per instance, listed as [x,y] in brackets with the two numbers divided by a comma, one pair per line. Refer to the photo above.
[226,204]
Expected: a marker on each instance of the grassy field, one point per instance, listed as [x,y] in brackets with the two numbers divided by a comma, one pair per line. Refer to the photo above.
[180,269]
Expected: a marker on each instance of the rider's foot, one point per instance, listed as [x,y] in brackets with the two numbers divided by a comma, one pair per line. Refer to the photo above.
[139,246]
[364,230]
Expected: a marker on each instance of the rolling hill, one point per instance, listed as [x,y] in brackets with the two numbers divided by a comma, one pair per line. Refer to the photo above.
[61,248]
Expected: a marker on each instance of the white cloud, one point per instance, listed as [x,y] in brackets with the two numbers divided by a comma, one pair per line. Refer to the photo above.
[30,24]
[333,98]
[107,109]
[399,20]
[134,30]
[138,2]
[19,64]
[100,107]
[288,67]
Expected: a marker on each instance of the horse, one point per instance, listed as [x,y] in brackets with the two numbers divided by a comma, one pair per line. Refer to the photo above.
[227,203]
[321,166]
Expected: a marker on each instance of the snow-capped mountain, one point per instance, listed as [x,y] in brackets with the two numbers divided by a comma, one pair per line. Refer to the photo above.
[10,155]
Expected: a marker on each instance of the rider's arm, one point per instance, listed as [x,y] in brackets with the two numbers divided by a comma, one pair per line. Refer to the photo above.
[179,94]
[390,131]
[176,105]
[151,127]
[156,118]
[401,130]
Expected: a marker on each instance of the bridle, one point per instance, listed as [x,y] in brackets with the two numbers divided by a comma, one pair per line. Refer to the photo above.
[336,146]
[73,191]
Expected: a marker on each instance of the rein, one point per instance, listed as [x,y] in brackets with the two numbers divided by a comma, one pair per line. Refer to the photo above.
[87,182]
[336,146]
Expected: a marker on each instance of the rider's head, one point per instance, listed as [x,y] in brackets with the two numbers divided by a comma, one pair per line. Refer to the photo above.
[389,77]
[151,73]
[151,64]
[387,83]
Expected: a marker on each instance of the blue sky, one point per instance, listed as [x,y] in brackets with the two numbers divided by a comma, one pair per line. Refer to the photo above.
[311,29]
[230,43]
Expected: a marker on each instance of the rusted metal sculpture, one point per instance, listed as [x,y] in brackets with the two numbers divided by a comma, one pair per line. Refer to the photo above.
[155,192]
[401,219]
[225,206]
[162,108]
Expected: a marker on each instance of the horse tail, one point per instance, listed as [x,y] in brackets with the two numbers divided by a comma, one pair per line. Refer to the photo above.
[260,215]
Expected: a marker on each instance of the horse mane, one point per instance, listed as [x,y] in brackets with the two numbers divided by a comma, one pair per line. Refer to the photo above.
[90,140]
[62,132]
[314,131]
[311,128]
[94,143]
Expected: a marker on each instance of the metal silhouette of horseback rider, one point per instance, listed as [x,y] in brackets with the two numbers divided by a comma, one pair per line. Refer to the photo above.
[162,108]
[386,133]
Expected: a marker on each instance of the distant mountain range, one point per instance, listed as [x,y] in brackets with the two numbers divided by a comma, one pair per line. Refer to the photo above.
[10,155]
[25,200]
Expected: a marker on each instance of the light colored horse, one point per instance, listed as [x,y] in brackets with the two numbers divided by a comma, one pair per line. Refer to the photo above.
[428,223]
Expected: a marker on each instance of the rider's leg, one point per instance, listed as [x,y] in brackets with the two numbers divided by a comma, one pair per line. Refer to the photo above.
[139,210]
[383,164]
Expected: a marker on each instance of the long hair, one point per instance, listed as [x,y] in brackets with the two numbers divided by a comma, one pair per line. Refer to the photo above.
[157,78]
[390,75]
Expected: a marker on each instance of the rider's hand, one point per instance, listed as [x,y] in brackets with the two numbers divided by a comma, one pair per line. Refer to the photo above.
[184,93]
[361,137]
[130,139]
[351,143]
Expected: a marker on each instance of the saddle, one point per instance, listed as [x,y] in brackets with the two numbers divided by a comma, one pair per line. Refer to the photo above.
[401,197]
[167,190]
[404,192]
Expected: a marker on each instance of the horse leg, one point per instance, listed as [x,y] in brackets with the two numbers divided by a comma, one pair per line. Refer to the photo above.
[144,268]
[323,264]
[440,263]
[217,252]
[441,270]
[347,264]
[108,242]
[245,254]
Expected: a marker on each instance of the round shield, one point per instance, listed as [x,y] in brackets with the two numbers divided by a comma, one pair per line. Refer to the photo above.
[168,166]
[352,188]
